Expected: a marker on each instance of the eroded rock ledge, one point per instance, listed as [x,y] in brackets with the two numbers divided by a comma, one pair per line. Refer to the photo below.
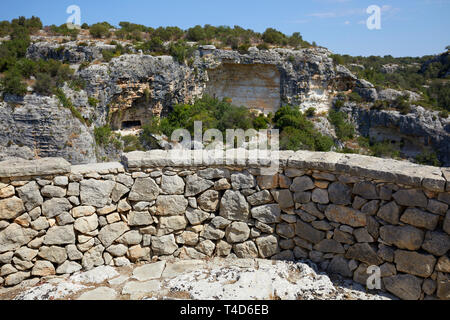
[343,212]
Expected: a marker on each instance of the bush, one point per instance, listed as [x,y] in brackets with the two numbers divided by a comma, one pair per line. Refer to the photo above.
[261,122]
[263,46]
[428,158]
[100,30]
[181,51]
[355,97]
[93,102]
[338,104]
[274,36]
[131,143]
[444,114]
[384,150]
[68,104]
[102,135]
[344,129]
[196,33]
[311,112]
[297,133]
[43,85]
[12,83]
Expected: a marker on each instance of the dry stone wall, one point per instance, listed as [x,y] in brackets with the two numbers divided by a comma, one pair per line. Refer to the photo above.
[343,212]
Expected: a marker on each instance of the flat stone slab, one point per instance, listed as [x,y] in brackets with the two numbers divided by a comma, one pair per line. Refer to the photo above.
[29,168]
[96,168]
[149,271]
[174,269]
[216,279]
[102,293]
[141,288]
[97,275]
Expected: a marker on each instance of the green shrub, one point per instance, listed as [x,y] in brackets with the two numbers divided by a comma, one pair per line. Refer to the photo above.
[355,97]
[444,114]
[261,122]
[380,105]
[100,30]
[263,46]
[108,55]
[274,36]
[297,133]
[12,83]
[428,158]
[344,129]
[196,33]
[43,85]
[338,104]
[77,84]
[181,51]
[384,149]
[93,102]
[102,135]
[131,143]
[311,112]
[68,104]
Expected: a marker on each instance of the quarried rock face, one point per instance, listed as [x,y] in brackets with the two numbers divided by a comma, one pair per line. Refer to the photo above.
[346,213]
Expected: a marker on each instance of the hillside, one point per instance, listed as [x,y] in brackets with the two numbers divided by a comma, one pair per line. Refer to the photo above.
[87,95]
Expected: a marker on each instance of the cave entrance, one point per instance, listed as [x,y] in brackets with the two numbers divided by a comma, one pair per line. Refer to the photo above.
[136,124]
[256,86]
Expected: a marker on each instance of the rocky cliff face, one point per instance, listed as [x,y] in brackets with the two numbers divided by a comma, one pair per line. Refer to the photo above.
[134,87]
[413,133]
[46,129]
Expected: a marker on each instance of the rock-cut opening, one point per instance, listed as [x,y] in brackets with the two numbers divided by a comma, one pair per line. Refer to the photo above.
[131,124]
[255,86]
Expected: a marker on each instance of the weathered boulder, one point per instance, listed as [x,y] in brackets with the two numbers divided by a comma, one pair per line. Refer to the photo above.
[267,246]
[196,185]
[340,193]
[269,213]
[60,235]
[209,201]
[420,219]
[305,231]
[404,237]
[53,207]
[30,195]
[346,215]
[171,205]
[234,207]
[11,208]
[411,198]
[111,232]
[404,286]
[390,213]
[237,232]
[242,181]
[96,193]
[144,189]
[172,185]
[414,263]
[164,245]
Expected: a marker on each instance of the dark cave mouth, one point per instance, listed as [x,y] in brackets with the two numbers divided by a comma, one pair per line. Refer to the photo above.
[133,124]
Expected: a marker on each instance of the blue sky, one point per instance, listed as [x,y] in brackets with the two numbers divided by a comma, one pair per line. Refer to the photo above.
[409,27]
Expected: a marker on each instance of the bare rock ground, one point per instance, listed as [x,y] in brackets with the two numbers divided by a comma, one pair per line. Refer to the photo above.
[231,279]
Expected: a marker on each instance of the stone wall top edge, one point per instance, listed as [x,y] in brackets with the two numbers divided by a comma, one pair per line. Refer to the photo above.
[388,170]
[28,168]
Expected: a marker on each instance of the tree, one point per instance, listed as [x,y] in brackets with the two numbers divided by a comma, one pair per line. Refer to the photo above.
[196,33]
[43,85]
[100,30]
[12,83]
[274,36]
